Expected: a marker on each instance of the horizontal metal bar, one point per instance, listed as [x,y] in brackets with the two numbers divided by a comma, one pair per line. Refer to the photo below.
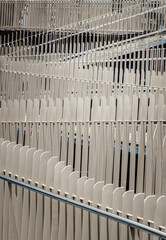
[98,122]
[88,208]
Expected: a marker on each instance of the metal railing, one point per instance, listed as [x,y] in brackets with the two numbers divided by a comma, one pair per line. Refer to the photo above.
[88,208]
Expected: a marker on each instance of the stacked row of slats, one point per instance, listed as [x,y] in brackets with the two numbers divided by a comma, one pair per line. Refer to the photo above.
[83,114]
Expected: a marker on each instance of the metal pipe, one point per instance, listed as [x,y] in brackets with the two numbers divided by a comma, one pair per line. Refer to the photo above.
[98,122]
[88,208]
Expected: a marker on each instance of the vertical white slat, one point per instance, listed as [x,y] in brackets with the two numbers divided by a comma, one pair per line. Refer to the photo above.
[116,206]
[88,195]
[64,142]
[117,156]
[22,110]
[160,214]
[85,150]
[16,110]
[103,101]
[106,113]
[138,211]
[86,109]
[73,108]
[5,191]
[3,156]
[54,114]
[45,156]
[151,108]
[78,147]
[47,201]
[160,107]
[26,200]
[155,144]
[71,145]
[125,149]
[73,179]
[159,160]
[78,212]
[3,110]
[56,139]
[130,93]
[95,105]
[9,157]
[43,111]
[22,161]
[127,108]
[99,116]
[13,231]
[29,110]
[119,108]
[41,137]
[13,131]
[101,155]
[149,211]
[28,164]
[95,220]
[34,136]
[42,84]
[33,195]
[143,107]
[126,76]
[16,199]
[62,211]
[1,130]
[140,165]
[49,114]
[132,157]
[109,152]
[59,109]
[10,110]
[164,167]
[79,109]
[157,92]
[50,102]
[43,103]
[135,107]
[149,164]
[107,198]
[5,210]
[127,212]
[103,109]
[55,205]
[66,110]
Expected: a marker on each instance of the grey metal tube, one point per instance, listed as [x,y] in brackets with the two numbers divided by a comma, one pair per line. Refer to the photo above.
[88,208]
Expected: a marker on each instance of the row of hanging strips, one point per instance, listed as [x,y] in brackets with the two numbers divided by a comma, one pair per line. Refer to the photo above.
[83,116]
